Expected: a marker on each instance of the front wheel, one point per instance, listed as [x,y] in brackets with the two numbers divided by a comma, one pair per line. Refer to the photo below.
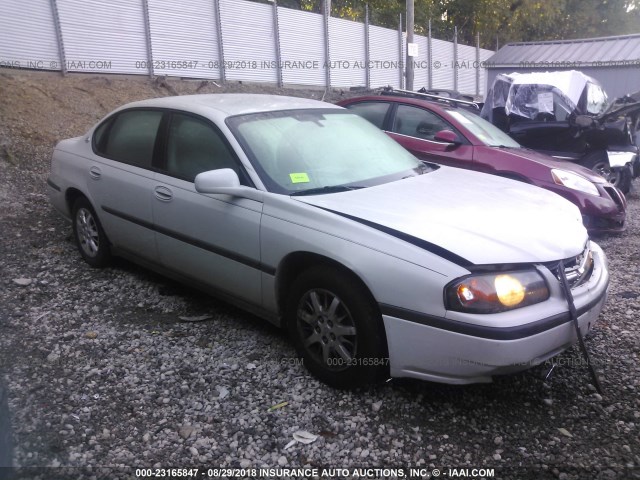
[337,328]
[90,237]
[618,177]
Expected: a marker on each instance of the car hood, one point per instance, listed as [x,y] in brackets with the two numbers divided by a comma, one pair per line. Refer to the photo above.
[482,218]
[627,105]
[551,162]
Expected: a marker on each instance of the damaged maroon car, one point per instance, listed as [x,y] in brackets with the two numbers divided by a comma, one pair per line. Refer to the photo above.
[446,134]
[568,115]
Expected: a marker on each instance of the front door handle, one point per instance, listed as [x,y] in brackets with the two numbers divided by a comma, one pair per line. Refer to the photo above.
[95,173]
[163,194]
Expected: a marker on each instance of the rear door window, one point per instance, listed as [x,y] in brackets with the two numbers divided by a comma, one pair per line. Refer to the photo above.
[375,112]
[129,137]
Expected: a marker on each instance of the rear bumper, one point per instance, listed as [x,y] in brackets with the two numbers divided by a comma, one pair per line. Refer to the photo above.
[449,351]
[57,197]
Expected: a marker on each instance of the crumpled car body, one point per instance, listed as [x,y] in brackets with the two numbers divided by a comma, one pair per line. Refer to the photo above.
[568,115]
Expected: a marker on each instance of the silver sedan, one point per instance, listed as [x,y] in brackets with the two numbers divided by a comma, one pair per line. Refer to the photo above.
[377,264]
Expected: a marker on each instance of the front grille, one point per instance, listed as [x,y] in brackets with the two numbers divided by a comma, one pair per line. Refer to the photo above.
[616,196]
[577,269]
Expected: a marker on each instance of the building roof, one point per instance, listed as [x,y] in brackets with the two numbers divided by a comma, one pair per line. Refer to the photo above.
[588,52]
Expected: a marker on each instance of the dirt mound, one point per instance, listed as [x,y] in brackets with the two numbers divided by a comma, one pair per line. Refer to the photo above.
[38,109]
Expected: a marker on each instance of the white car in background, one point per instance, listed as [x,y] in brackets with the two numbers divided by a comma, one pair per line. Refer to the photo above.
[377,264]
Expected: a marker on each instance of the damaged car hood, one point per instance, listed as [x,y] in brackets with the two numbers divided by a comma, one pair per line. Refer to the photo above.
[481,218]
[629,105]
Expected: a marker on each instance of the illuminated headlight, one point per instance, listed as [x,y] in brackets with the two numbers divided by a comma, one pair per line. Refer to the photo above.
[496,292]
[574,181]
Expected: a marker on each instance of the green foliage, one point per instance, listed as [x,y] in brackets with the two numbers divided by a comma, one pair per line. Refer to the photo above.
[496,21]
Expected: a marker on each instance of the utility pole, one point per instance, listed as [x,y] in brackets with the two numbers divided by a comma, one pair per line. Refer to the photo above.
[410,52]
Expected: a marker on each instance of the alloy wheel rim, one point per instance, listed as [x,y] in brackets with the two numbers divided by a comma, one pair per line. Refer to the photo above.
[327,329]
[88,235]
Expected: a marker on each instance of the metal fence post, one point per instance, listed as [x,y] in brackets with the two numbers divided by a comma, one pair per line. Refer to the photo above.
[455,58]
[217,15]
[401,62]
[276,36]
[58,28]
[327,53]
[147,30]
[478,64]
[430,58]
[367,52]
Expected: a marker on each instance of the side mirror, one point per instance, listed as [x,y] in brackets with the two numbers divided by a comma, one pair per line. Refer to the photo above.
[447,136]
[225,181]
[214,181]
[583,121]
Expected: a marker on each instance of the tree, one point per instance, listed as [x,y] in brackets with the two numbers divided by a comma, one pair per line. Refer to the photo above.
[502,20]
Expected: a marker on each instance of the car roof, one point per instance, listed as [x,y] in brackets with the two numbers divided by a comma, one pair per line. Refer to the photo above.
[229,104]
[421,102]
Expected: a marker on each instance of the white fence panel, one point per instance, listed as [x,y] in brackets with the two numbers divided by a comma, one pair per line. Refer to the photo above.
[249,41]
[184,40]
[442,64]
[421,63]
[111,36]
[467,69]
[348,53]
[484,56]
[27,35]
[302,47]
[104,35]
[385,61]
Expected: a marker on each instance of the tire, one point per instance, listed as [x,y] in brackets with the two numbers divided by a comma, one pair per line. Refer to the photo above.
[599,163]
[90,237]
[337,328]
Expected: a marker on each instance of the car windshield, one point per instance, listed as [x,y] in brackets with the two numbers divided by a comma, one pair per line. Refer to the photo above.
[320,151]
[486,132]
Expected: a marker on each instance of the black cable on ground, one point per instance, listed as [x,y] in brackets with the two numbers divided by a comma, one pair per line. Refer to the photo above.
[574,318]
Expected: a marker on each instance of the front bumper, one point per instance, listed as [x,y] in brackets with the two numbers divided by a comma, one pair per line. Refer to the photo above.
[470,348]
[621,159]
[605,213]
[609,215]
[625,157]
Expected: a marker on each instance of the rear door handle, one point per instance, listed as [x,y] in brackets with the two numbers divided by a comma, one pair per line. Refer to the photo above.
[95,173]
[163,194]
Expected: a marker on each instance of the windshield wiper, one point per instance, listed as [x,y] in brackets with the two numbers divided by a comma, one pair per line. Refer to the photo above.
[327,189]
[425,167]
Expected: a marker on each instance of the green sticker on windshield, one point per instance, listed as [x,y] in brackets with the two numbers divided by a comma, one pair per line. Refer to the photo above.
[299,178]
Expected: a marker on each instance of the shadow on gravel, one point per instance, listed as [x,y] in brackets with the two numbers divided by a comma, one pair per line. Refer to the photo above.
[504,392]
[6,447]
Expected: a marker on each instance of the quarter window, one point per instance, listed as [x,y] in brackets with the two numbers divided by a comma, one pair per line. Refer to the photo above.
[419,123]
[129,137]
[375,112]
[596,99]
[194,146]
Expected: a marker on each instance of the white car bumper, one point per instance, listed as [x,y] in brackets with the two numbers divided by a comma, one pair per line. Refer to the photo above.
[449,351]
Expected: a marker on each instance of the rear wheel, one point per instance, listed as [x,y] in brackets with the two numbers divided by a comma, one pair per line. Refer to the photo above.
[599,163]
[336,328]
[90,237]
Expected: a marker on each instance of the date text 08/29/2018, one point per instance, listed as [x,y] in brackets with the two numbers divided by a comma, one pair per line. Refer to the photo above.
[323,473]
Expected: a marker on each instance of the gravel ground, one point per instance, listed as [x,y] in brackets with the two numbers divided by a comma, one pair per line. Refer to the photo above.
[109,368]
